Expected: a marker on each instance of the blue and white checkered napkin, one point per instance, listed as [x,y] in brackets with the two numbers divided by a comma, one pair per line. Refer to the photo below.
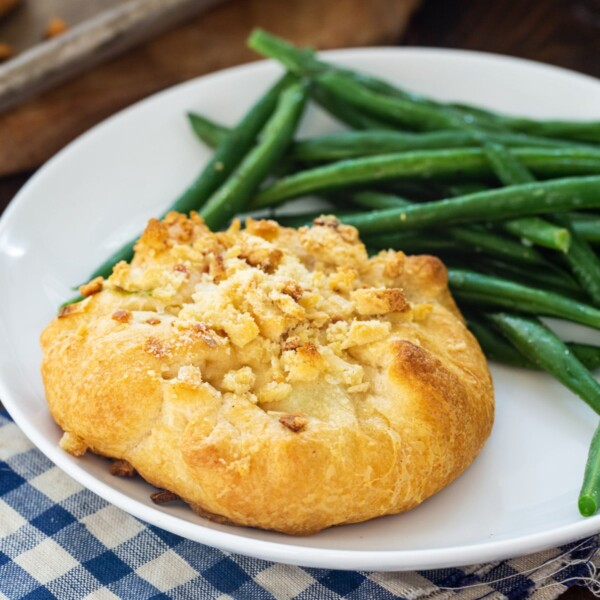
[58,540]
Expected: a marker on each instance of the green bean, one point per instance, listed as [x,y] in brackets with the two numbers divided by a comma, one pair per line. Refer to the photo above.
[583,216]
[543,347]
[304,62]
[460,239]
[583,262]
[588,230]
[475,239]
[210,132]
[484,118]
[495,346]
[511,171]
[462,189]
[297,60]
[353,144]
[583,131]
[378,139]
[413,242]
[369,138]
[473,287]
[275,138]
[589,496]
[580,131]
[425,117]
[519,200]
[588,354]
[540,232]
[532,228]
[482,240]
[417,190]
[378,200]
[554,279]
[350,144]
[506,166]
[345,113]
[395,109]
[425,165]
[225,159]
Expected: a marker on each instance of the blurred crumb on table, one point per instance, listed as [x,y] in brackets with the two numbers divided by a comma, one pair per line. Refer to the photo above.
[56,26]
[7,5]
[6,51]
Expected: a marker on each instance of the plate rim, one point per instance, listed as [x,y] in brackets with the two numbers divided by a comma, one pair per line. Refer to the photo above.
[333,558]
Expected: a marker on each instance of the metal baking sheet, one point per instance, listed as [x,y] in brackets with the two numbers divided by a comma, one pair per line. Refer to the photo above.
[97,30]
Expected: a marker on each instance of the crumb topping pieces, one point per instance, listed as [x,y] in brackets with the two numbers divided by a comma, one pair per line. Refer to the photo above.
[262,312]
[163,497]
[294,423]
[122,316]
[92,287]
[121,468]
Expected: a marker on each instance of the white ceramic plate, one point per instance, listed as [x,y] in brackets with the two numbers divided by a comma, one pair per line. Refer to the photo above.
[520,494]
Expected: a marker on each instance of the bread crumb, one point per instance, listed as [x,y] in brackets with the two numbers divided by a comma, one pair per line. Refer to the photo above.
[239,382]
[294,423]
[361,388]
[163,497]
[122,316]
[71,309]
[379,301]
[6,51]
[155,347]
[366,332]
[92,287]
[121,468]
[55,27]
[273,391]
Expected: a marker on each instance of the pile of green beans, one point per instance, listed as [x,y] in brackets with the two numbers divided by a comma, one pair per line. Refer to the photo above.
[507,202]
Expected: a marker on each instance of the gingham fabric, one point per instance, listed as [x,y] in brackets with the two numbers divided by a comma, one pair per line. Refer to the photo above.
[58,540]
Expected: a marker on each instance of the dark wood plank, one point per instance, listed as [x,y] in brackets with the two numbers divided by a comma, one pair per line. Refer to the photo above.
[9,186]
[561,33]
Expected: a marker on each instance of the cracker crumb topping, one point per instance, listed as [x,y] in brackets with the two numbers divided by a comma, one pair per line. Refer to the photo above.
[92,287]
[294,423]
[266,308]
[122,316]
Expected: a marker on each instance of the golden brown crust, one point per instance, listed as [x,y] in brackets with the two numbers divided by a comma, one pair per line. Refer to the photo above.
[272,378]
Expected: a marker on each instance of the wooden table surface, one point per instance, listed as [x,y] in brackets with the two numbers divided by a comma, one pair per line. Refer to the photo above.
[559,32]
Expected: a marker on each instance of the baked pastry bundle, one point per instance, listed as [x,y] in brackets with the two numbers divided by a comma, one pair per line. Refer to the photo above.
[272,377]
